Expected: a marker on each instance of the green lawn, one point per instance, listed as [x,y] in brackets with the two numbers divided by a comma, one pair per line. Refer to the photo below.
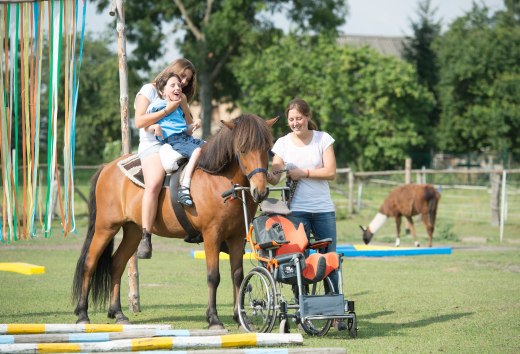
[468,301]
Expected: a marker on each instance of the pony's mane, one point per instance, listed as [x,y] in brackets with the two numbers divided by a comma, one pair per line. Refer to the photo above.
[250,133]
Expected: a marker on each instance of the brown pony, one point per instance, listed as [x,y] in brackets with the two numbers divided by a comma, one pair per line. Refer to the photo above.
[407,200]
[237,154]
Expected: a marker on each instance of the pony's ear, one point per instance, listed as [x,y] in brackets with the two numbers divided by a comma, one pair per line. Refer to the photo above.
[228,124]
[363,228]
[271,121]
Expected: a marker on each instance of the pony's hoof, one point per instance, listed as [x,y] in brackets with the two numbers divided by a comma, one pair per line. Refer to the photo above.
[216,326]
[83,321]
[123,322]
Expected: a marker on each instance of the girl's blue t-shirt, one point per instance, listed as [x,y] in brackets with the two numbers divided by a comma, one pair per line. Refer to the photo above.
[173,123]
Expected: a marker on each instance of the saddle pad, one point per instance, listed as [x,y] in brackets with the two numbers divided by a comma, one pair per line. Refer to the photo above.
[274,206]
[131,168]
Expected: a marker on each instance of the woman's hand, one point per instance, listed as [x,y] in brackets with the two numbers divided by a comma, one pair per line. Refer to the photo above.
[298,173]
[172,106]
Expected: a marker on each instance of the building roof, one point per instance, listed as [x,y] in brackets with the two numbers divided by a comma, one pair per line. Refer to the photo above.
[384,45]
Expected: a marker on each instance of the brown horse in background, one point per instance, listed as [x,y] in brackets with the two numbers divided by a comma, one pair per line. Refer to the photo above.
[237,154]
[407,200]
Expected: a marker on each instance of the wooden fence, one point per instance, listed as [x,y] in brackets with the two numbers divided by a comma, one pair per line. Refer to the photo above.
[496,185]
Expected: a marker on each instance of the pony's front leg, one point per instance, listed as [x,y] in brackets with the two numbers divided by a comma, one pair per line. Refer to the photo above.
[398,226]
[213,280]
[236,261]
[119,260]
[115,310]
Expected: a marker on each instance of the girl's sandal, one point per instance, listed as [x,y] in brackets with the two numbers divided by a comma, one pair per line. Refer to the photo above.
[184,197]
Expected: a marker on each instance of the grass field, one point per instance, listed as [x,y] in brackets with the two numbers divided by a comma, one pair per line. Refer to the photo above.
[467,302]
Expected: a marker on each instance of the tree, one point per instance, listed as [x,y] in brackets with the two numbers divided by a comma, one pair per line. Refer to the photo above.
[371,104]
[98,101]
[479,85]
[418,51]
[217,31]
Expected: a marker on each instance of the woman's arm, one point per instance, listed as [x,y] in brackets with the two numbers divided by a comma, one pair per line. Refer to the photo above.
[277,165]
[327,172]
[143,119]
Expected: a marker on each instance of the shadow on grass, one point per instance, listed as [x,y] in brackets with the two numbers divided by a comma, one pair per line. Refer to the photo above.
[369,329]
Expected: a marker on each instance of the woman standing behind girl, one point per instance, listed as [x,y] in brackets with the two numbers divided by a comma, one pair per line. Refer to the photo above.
[153,171]
[174,130]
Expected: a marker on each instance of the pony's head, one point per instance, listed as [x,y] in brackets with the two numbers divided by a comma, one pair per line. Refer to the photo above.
[367,234]
[243,142]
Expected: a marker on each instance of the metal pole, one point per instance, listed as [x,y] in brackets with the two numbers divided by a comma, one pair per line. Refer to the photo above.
[350,192]
[117,9]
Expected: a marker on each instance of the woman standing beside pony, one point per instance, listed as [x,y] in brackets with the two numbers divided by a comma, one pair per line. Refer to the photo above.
[153,171]
[308,156]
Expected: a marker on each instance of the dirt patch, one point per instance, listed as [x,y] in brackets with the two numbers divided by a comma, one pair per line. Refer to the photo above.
[474,239]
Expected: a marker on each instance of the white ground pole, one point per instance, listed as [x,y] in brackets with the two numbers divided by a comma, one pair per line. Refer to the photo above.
[503,204]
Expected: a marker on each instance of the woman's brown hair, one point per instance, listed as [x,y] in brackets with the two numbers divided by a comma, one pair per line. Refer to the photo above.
[177,67]
[304,108]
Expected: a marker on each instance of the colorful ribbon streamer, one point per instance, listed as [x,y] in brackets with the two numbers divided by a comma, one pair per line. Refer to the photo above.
[23,52]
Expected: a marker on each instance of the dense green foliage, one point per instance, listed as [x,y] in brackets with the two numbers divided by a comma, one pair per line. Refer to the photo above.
[374,107]
[98,120]
[458,94]
[217,31]
[479,88]
[418,51]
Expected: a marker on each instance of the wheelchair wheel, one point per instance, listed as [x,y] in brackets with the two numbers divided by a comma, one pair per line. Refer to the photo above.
[256,301]
[317,327]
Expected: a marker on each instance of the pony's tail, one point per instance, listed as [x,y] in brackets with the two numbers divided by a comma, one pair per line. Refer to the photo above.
[432,196]
[100,281]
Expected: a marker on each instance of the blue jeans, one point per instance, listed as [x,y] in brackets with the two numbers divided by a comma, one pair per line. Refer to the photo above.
[184,144]
[322,225]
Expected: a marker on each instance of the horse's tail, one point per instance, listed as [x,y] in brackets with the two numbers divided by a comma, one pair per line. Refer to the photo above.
[100,281]
[432,196]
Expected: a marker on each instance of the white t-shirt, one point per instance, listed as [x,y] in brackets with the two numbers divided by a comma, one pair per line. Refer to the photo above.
[147,139]
[311,195]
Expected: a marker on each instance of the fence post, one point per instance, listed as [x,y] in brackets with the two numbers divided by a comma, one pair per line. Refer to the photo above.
[359,195]
[495,198]
[116,9]
[407,170]
[350,192]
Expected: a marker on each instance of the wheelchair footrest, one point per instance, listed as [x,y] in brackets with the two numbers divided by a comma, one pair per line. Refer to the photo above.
[333,304]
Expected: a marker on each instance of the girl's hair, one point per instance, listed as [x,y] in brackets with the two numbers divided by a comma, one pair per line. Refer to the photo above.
[304,108]
[178,67]
[161,81]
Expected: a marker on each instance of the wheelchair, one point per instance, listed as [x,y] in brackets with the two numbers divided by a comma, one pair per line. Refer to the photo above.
[291,283]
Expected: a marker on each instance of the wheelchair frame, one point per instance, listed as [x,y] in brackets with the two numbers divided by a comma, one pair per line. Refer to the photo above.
[265,298]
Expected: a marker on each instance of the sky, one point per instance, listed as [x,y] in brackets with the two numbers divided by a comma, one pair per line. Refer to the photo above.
[366,17]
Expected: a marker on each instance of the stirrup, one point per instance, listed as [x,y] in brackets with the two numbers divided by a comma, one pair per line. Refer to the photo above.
[184,197]
[194,239]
